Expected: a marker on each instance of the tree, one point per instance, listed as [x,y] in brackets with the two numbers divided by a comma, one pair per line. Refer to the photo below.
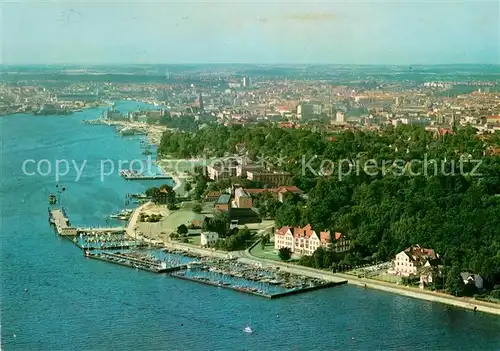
[220,223]
[197,208]
[188,187]
[172,207]
[319,257]
[454,214]
[182,229]
[265,240]
[174,235]
[285,253]
[454,283]
[236,240]
[152,192]
[200,187]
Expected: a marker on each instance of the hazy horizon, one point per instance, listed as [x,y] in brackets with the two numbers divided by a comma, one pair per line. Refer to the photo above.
[402,32]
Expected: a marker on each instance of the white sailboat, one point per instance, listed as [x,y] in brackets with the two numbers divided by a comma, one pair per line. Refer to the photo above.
[247,329]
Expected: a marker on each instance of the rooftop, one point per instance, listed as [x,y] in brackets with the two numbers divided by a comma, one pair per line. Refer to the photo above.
[224,199]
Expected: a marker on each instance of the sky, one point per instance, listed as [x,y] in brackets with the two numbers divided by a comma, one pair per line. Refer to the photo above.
[267,32]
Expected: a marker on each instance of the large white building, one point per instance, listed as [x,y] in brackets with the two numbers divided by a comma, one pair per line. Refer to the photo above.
[412,259]
[208,238]
[305,241]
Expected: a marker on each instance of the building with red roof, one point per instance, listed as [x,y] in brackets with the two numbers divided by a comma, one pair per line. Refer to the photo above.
[305,241]
[411,260]
[493,119]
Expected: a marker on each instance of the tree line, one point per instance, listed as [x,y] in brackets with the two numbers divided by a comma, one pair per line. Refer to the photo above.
[454,212]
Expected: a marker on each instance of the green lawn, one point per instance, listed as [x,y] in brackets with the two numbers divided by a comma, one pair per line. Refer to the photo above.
[195,240]
[387,278]
[266,253]
[178,217]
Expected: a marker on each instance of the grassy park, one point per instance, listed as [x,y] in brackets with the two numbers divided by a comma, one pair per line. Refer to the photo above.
[267,252]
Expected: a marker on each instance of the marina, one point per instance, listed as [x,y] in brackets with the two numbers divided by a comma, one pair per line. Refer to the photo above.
[102,244]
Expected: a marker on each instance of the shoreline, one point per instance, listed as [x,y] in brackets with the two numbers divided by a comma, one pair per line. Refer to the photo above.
[247,258]
[461,302]
[431,296]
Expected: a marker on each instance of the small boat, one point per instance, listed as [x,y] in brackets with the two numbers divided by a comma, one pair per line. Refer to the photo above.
[248,330]
[52,199]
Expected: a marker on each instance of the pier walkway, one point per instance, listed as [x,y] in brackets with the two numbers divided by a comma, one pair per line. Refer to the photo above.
[100,230]
[60,220]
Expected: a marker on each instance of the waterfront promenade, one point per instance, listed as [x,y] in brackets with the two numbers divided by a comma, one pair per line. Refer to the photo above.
[463,302]
[130,229]
[247,258]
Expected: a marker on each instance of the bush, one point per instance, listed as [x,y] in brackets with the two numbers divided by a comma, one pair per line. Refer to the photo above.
[285,253]
[496,292]
[197,208]
[174,236]
[172,207]
[182,229]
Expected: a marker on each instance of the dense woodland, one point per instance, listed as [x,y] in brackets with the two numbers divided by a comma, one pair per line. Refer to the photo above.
[454,212]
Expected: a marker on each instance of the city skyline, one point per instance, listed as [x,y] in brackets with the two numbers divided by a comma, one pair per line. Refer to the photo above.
[360,33]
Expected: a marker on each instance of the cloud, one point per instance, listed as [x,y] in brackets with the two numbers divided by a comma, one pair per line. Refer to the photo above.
[311,17]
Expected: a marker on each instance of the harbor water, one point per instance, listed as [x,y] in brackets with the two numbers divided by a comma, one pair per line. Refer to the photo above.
[55,299]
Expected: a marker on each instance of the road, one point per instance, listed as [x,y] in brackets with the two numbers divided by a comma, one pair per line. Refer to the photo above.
[130,228]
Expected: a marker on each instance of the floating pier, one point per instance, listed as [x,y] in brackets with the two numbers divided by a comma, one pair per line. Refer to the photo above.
[230,287]
[113,246]
[139,263]
[100,230]
[254,291]
[303,290]
[132,175]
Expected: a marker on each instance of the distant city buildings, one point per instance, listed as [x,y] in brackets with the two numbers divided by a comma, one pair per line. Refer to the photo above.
[247,83]
[309,110]
[340,117]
